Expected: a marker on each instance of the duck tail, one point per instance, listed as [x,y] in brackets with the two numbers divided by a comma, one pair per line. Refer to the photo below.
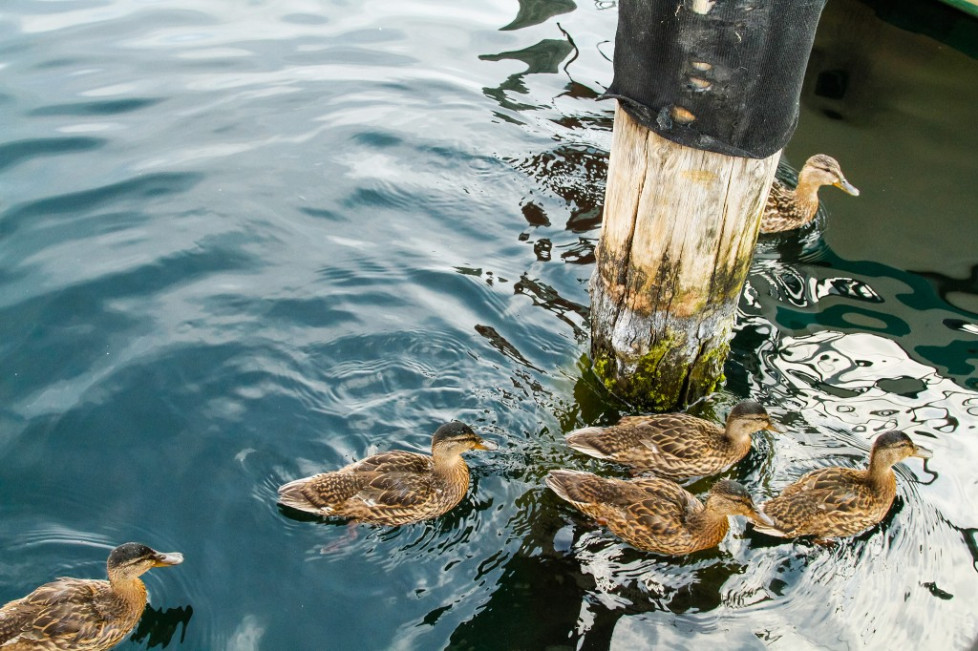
[587,441]
[578,487]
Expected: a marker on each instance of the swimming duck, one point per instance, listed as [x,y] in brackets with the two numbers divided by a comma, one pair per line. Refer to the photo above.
[789,209]
[835,502]
[655,514]
[675,446]
[83,614]
[392,488]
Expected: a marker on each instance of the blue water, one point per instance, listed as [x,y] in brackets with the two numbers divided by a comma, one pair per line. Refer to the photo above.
[241,243]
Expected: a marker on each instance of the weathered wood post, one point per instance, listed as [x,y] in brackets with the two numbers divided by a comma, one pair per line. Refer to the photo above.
[707,97]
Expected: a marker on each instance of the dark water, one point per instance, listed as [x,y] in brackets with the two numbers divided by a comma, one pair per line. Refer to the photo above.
[244,242]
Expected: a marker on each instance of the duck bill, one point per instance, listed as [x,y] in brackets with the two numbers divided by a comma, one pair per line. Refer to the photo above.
[775,427]
[762,517]
[167,559]
[485,445]
[847,187]
[922,452]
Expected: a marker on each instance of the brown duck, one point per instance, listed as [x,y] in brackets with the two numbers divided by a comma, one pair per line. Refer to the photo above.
[789,209]
[675,446]
[392,488]
[654,514]
[836,502]
[83,614]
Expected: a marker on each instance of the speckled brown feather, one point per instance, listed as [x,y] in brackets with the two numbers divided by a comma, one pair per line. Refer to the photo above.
[390,488]
[649,513]
[784,211]
[830,502]
[836,502]
[673,446]
[69,614]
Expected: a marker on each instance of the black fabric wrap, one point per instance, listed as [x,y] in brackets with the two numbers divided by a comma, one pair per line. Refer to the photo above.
[735,72]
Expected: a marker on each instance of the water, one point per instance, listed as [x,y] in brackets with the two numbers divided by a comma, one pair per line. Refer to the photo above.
[241,243]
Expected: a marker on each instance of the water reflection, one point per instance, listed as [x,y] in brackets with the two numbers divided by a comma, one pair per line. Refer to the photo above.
[534,12]
[574,173]
[635,582]
[499,342]
[542,57]
[22,151]
[812,287]
[547,297]
[794,286]
[157,626]
[960,292]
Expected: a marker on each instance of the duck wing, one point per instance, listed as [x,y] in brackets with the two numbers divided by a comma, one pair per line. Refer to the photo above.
[662,521]
[61,614]
[396,478]
[395,461]
[580,487]
[664,507]
[780,212]
[644,440]
[395,489]
[821,500]
[648,513]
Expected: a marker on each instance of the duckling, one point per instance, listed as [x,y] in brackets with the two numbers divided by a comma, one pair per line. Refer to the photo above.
[675,446]
[789,209]
[83,614]
[837,502]
[392,488]
[655,514]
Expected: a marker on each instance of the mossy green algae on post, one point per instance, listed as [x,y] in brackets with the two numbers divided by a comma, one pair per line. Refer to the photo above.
[673,366]
[678,235]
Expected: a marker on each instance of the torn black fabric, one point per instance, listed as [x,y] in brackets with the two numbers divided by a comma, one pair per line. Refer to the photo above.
[724,76]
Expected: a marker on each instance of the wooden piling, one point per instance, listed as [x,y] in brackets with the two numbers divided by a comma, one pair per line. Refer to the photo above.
[680,226]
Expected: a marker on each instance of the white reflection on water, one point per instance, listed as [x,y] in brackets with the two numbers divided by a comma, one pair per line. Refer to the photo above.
[848,388]
[247,636]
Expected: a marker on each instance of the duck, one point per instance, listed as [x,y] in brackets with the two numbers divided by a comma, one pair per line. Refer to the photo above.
[392,488]
[675,446]
[838,502]
[655,514]
[788,209]
[84,614]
